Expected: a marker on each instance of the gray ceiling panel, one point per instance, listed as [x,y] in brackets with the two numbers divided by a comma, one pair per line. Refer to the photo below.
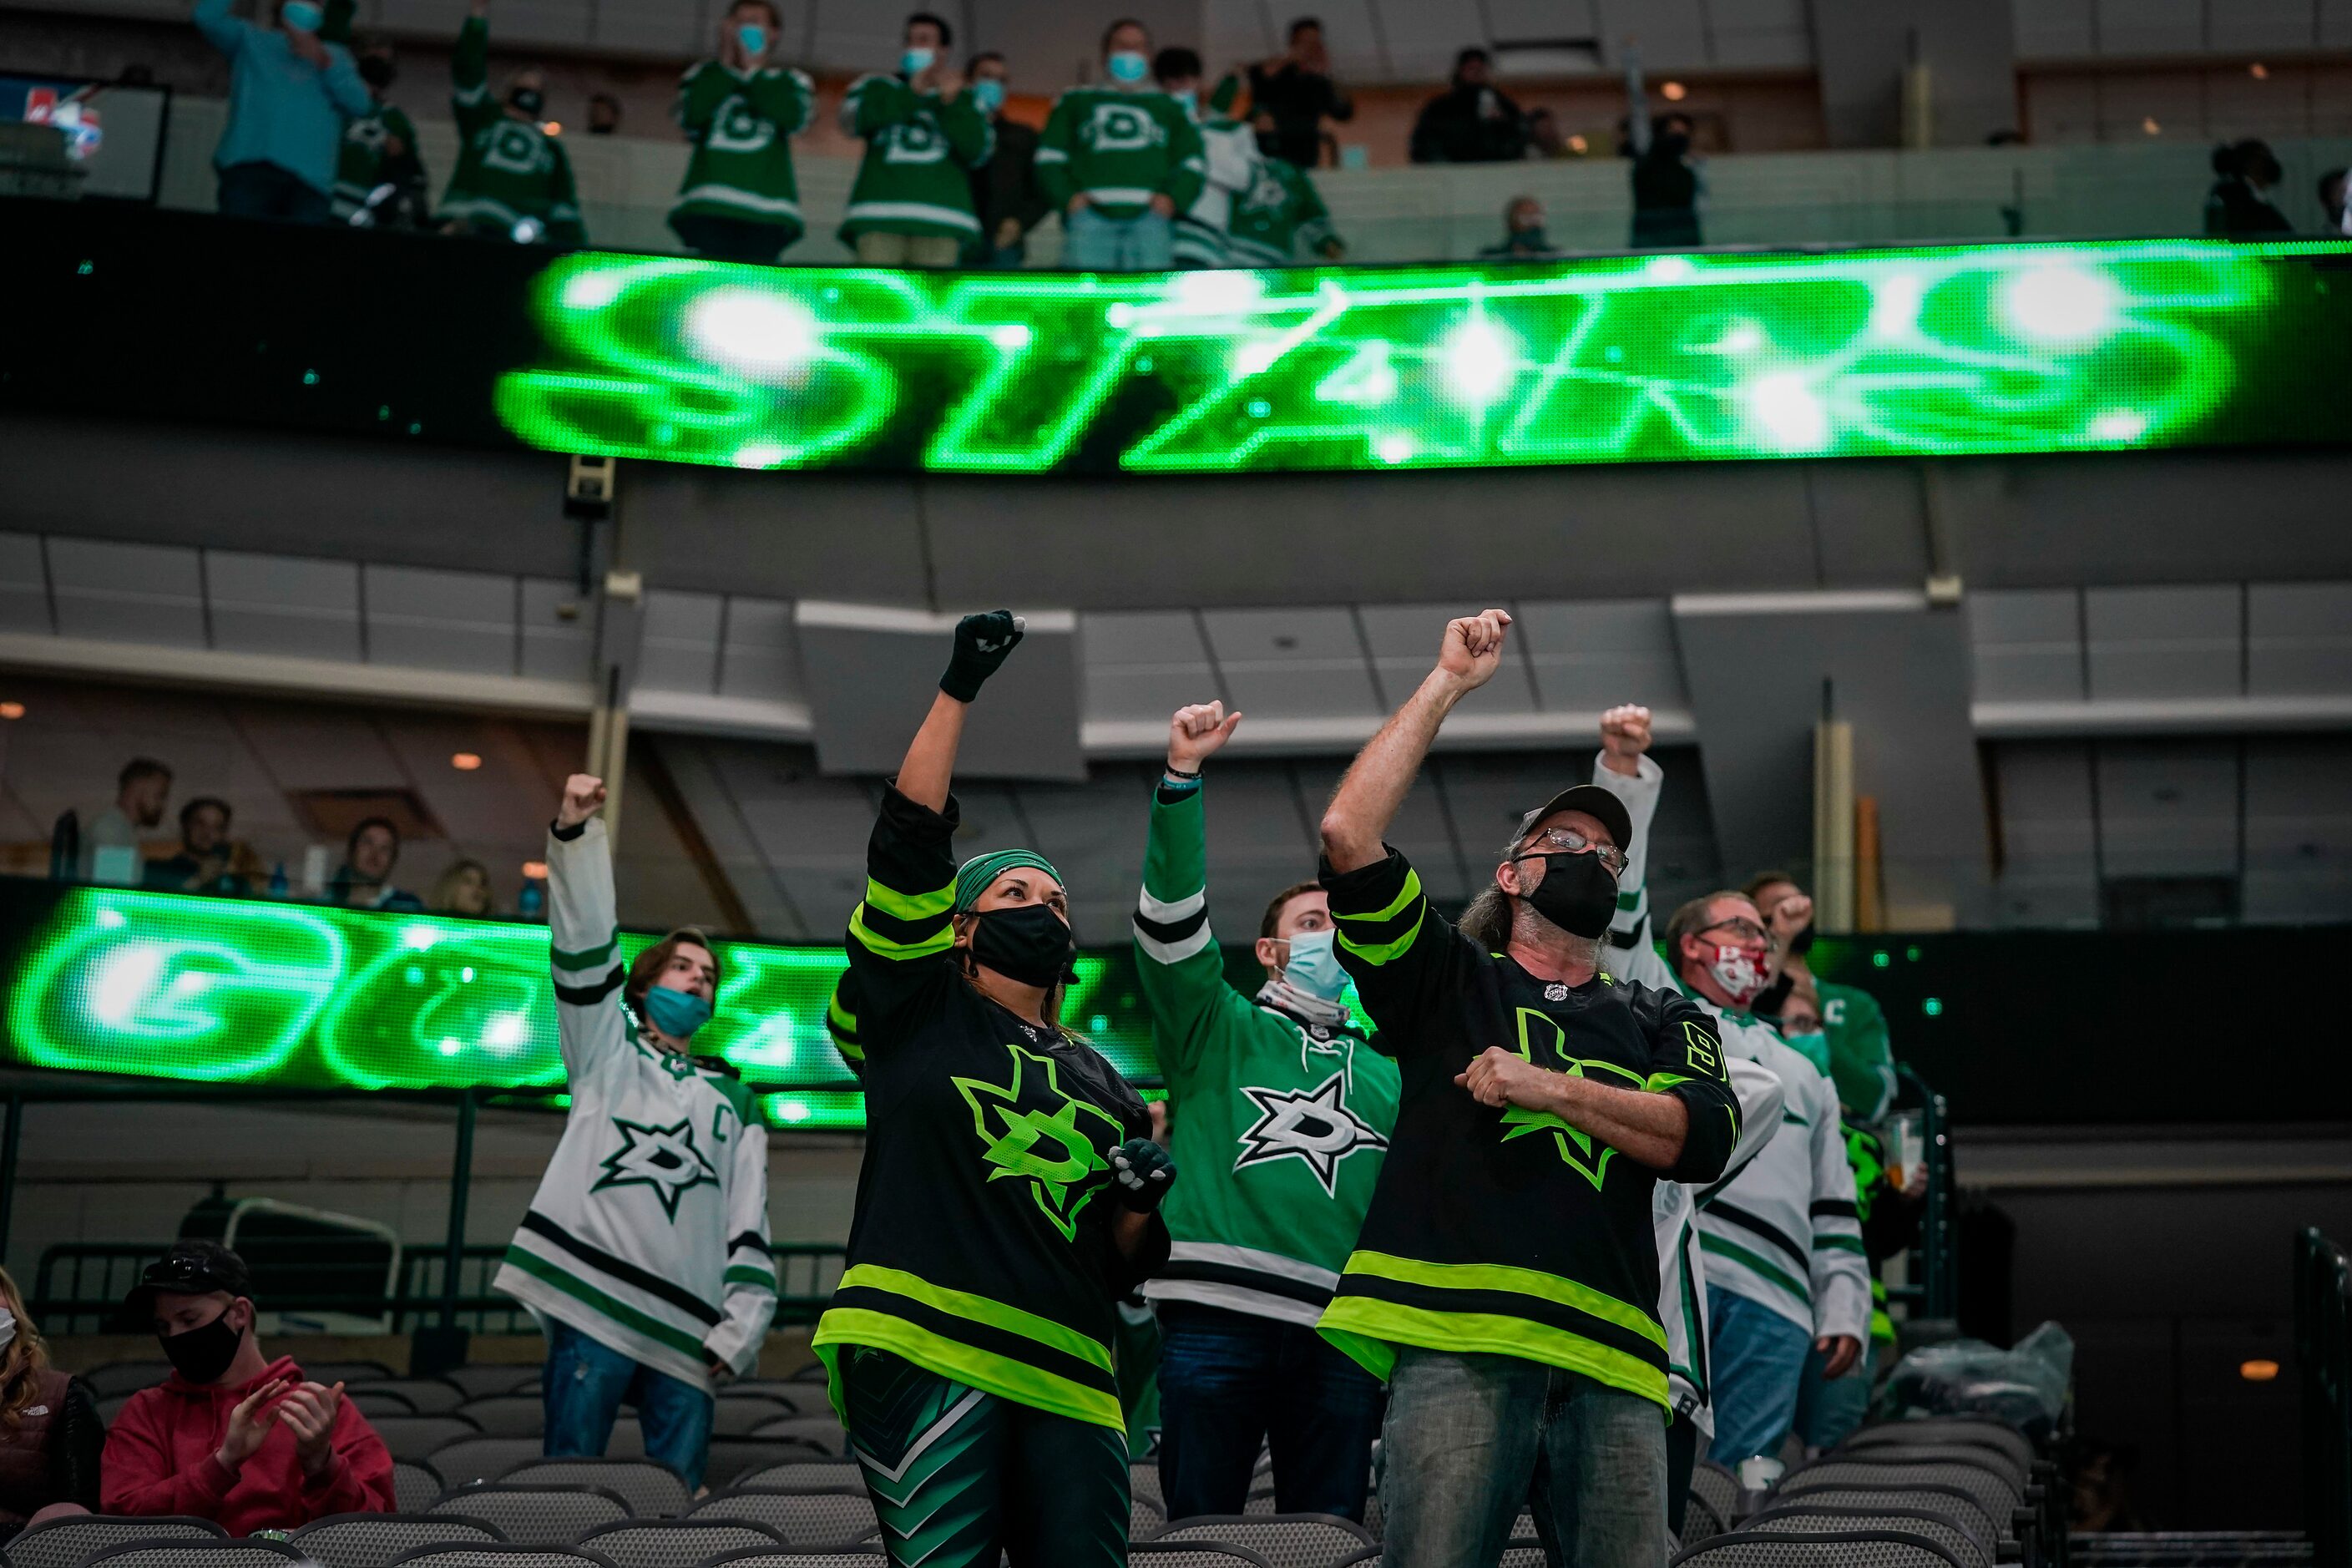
[2298,639]
[1304,663]
[2027,645]
[556,640]
[128,592]
[24,584]
[1422,831]
[1143,665]
[1594,654]
[2298,828]
[2169,808]
[1488,798]
[2150,27]
[2164,642]
[680,647]
[761,658]
[295,606]
[1405,639]
[440,620]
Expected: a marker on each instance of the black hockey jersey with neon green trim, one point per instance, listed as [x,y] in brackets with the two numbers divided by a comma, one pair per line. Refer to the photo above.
[1508,1231]
[981,1248]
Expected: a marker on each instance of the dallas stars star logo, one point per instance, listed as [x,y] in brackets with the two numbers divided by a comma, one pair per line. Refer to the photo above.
[662,1158]
[1576,1146]
[1052,1147]
[1315,1127]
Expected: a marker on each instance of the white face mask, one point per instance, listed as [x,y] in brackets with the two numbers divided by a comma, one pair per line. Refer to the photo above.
[1738,972]
[7,1327]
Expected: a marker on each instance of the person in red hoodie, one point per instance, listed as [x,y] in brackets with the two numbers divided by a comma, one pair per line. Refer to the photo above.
[246,1443]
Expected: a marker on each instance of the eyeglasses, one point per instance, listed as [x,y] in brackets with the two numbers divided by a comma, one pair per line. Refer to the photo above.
[1742,928]
[1569,841]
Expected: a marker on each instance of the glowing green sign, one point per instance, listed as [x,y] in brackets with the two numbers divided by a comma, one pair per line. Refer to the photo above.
[169,986]
[1926,352]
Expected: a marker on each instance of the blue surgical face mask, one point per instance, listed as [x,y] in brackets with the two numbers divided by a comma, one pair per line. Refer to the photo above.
[989,94]
[1814,1047]
[1128,66]
[1189,101]
[754,37]
[301,16]
[1314,966]
[676,1014]
[915,62]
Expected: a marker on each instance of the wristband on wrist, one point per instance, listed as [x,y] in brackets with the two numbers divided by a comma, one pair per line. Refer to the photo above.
[1176,772]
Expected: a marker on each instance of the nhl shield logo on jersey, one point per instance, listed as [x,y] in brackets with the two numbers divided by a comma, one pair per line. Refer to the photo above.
[1315,1127]
[662,1158]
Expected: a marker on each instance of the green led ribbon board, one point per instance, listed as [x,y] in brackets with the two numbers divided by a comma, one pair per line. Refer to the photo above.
[170,985]
[1921,353]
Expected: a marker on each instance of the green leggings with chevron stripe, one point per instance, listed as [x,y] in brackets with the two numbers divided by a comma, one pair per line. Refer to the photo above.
[958,1476]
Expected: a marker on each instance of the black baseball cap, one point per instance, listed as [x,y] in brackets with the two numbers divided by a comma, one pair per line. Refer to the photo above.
[191,1268]
[1589,799]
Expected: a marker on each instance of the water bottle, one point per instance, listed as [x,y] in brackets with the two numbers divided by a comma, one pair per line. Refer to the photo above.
[533,904]
[279,886]
[1758,1477]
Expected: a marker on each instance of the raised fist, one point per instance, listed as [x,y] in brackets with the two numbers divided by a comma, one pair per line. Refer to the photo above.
[1474,648]
[1624,736]
[1198,732]
[583,797]
[981,643]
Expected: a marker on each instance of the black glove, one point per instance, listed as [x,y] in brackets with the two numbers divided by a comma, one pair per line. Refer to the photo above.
[981,644]
[1142,1174]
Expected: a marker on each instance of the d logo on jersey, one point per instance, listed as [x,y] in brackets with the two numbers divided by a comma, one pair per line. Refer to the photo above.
[913,142]
[1576,1146]
[516,149]
[662,1158]
[740,129]
[1315,1127]
[1122,128]
[1031,1132]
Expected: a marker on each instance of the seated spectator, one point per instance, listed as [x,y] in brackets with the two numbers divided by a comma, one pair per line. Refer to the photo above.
[109,843]
[207,860]
[49,1428]
[603,114]
[1666,189]
[911,206]
[1471,122]
[1296,91]
[512,179]
[365,880]
[2237,206]
[1006,194]
[741,200]
[464,889]
[1121,161]
[231,1437]
[1523,234]
[288,96]
[378,172]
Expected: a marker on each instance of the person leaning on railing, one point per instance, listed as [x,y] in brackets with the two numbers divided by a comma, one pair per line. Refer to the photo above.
[51,1432]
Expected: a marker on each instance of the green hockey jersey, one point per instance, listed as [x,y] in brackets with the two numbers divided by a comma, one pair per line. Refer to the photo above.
[742,128]
[1121,149]
[508,169]
[1862,1064]
[364,163]
[1277,213]
[1280,1122]
[914,177]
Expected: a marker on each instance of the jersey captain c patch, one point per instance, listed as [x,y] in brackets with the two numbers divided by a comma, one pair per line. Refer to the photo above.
[1315,1127]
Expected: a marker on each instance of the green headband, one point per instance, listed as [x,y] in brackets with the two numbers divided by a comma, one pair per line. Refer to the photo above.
[977,875]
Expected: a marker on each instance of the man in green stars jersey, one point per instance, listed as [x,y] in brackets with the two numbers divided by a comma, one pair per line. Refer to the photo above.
[1282,1113]
[512,180]
[1507,1278]
[740,201]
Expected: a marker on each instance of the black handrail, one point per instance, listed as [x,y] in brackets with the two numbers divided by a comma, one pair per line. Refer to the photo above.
[2323,1349]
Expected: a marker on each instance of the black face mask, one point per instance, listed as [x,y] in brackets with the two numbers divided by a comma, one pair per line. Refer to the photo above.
[1269,144]
[202,1353]
[1030,944]
[1577,893]
[527,99]
[376,71]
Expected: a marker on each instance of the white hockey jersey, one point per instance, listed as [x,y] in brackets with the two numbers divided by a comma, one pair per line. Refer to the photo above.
[649,1232]
[1682,1276]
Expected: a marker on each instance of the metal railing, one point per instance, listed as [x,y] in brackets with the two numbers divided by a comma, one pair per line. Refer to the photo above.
[1934,1290]
[2323,1349]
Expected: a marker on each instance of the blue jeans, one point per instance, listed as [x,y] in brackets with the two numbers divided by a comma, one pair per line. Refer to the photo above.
[1830,1408]
[1093,243]
[585,1383]
[1756,1358]
[1469,1438]
[1229,1382]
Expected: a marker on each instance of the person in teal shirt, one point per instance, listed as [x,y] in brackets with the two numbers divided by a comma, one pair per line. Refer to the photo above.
[289,95]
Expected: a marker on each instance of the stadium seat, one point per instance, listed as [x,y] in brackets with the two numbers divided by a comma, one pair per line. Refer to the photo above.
[1718,1487]
[480,1382]
[803,1476]
[1952,1534]
[824,1430]
[1700,1521]
[507,1414]
[849,1556]
[373,1540]
[414,1486]
[679,1542]
[1260,1501]
[1858,1548]
[425,1396]
[63,1542]
[1952,1502]
[652,1490]
[1143,1481]
[419,1437]
[1523,1552]
[1936,1430]
[803,1518]
[1188,1554]
[346,1372]
[1144,1519]
[813,1372]
[250,1554]
[732,1458]
[377,1402]
[1993,1493]
[1282,1539]
[125,1377]
[471,1460]
[804,1399]
[490,1556]
[2019,1474]
[738,1415]
[535,1516]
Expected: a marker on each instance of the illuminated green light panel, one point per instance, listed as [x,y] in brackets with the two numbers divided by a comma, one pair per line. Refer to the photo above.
[169,986]
[1920,352]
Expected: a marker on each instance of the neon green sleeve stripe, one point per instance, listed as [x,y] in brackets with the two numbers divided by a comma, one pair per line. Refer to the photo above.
[883,947]
[1411,892]
[587,957]
[979,1310]
[1658,1082]
[910,906]
[842,1018]
[1381,951]
[1520,1281]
